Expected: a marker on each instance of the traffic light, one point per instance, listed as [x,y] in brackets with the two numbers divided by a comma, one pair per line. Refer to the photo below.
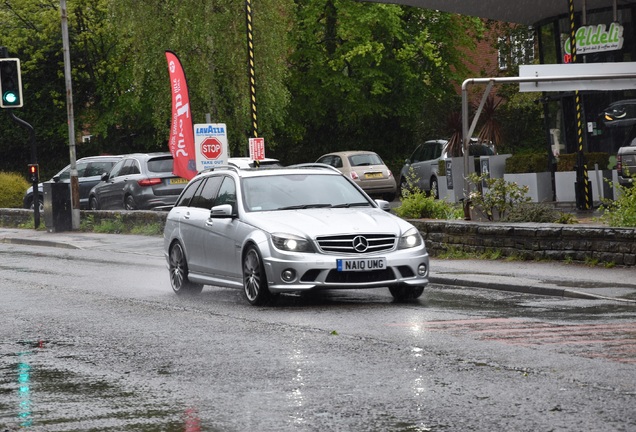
[10,83]
[34,173]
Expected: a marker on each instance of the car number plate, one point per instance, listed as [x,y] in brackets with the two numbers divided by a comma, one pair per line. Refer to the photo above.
[178,180]
[361,264]
[373,175]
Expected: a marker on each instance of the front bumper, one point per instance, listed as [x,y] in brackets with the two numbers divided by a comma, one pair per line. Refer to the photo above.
[313,271]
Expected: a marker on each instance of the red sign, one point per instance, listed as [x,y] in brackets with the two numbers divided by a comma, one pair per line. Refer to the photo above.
[211,148]
[257,148]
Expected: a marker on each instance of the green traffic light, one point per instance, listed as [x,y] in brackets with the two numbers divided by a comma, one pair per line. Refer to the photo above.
[10,97]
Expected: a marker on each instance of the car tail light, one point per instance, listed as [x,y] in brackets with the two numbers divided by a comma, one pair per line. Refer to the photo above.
[354,175]
[389,172]
[150,182]
[619,164]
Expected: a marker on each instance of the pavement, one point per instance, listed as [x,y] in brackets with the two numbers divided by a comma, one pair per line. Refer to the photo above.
[549,278]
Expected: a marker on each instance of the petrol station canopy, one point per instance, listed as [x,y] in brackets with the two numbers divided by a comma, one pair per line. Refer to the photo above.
[527,12]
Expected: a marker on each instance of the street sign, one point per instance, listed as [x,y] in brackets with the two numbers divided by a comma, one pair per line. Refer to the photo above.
[257,148]
[210,143]
[211,148]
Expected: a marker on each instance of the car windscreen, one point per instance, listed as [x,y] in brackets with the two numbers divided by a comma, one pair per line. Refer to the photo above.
[299,191]
[161,164]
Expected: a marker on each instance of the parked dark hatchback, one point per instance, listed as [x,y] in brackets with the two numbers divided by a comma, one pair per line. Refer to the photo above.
[139,181]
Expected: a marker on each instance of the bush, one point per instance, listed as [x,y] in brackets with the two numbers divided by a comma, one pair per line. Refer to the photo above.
[526,163]
[499,198]
[416,205]
[537,162]
[622,211]
[538,213]
[567,162]
[12,188]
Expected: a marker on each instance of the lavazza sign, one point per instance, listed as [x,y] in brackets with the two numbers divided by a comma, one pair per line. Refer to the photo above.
[595,39]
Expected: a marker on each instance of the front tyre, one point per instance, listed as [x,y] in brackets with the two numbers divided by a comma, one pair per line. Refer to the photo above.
[178,268]
[254,279]
[129,203]
[406,293]
[435,188]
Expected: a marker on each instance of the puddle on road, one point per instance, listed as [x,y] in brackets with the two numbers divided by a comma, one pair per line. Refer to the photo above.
[37,396]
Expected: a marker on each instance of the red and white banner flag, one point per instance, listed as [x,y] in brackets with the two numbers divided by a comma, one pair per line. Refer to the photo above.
[181,142]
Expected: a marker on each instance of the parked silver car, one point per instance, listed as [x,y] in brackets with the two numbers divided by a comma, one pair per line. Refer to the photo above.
[289,230]
[139,181]
[423,164]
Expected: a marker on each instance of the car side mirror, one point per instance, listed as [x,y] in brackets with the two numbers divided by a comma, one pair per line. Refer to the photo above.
[56,178]
[384,205]
[221,211]
[105,176]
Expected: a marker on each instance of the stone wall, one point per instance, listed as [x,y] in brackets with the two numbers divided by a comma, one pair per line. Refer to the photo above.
[530,241]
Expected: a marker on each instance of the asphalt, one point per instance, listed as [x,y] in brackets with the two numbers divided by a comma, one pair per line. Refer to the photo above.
[532,277]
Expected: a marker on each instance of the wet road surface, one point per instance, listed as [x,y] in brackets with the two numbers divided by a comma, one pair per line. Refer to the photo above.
[96,340]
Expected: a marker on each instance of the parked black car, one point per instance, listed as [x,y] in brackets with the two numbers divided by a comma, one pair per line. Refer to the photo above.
[139,181]
[89,173]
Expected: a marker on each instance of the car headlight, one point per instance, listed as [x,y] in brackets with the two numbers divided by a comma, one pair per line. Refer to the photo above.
[410,239]
[291,243]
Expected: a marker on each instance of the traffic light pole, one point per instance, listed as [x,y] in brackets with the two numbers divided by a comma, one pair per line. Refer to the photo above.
[34,160]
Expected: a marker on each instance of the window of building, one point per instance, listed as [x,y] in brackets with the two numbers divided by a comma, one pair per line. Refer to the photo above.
[516,49]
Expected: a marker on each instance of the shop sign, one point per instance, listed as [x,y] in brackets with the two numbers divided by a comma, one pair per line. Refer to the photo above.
[594,39]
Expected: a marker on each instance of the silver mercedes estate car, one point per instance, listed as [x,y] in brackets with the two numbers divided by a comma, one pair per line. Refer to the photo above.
[293,229]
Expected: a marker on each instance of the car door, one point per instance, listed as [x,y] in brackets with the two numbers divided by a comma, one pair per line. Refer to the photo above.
[112,192]
[194,225]
[421,164]
[92,175]
[221,243]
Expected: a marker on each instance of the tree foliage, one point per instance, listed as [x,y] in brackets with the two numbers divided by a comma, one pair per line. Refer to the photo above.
[330,74]
[371,76]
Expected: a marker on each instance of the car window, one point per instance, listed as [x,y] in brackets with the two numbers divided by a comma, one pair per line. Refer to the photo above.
[227,193]
[133,168]
[365,159]
[438,150]
[418,154]
[127,168]
[204,195]
[161,164]
[325,160]
[98,168]
[117,168]
[480,150]
[66,174]
[188,193]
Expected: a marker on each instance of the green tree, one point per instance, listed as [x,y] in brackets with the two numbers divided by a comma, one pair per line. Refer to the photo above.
[371,76]
[211,41]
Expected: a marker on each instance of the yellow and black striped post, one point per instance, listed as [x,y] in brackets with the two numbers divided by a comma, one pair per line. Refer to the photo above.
[582,188]
[250,62]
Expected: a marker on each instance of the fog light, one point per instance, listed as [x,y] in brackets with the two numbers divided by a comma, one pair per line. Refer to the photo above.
[288,275]
[422,270]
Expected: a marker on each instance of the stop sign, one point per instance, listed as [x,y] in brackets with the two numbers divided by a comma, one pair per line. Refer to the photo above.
[211,148]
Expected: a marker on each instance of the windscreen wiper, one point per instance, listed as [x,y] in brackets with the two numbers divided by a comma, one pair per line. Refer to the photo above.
[347,205]
[304,206]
